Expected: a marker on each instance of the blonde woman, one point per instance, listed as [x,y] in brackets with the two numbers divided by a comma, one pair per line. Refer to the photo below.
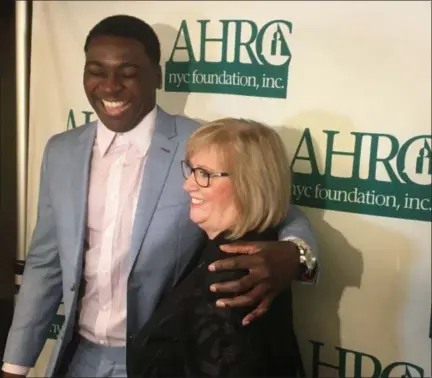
[237,175]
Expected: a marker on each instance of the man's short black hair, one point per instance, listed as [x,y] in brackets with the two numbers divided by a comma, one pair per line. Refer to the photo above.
[128,27]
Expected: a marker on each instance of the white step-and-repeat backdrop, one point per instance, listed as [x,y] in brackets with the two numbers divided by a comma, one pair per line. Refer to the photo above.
[348,85]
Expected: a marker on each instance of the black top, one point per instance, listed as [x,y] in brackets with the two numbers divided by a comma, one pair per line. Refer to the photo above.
[188,336]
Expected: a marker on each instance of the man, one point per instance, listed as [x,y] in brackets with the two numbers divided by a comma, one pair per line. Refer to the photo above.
[113,229]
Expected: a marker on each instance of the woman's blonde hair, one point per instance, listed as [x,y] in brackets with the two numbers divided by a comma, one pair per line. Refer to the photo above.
[257,163]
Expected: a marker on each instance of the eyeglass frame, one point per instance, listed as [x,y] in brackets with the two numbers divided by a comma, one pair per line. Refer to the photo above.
[210,175]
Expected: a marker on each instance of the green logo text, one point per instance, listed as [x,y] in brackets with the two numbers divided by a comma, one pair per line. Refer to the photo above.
[251,60]
[381,175]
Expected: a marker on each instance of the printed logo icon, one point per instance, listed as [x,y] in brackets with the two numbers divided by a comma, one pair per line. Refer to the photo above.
[380,175]
[424,159]
[279,45]
[230,57]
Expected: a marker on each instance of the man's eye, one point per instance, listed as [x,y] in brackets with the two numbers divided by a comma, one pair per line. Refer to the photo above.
[129,74]
[96,73]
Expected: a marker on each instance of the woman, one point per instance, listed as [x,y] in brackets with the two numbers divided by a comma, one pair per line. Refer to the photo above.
[237,175]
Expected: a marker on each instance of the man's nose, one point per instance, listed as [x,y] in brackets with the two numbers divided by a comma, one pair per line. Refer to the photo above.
[111,84]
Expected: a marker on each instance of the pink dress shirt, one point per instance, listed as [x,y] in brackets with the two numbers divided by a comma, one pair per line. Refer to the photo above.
[115,181]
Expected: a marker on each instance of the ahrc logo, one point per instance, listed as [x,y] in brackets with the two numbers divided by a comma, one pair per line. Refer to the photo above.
[245,59]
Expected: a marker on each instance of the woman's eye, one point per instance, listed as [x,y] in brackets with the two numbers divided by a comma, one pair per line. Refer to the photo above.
[202,173]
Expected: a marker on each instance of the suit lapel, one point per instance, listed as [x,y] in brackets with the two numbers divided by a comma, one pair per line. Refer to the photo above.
[159,159]
[79,184]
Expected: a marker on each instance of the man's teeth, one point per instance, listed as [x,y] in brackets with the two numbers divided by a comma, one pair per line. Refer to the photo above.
[114,104]
[196,201]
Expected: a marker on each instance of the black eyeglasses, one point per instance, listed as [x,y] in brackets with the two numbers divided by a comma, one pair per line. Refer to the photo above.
[202,177]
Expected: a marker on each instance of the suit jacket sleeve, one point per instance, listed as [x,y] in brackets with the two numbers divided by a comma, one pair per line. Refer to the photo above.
[41,290]
[297,226]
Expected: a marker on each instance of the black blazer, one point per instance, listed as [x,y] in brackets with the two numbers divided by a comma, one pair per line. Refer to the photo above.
[188,336]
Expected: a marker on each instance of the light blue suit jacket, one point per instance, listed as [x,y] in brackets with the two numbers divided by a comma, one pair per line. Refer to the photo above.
[163,238]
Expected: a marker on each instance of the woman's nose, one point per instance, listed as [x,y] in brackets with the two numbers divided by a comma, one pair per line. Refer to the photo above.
[189,184]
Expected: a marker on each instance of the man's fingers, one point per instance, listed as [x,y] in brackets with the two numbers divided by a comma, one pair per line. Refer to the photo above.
[259,311]
[248,299]
[243,248]
[239,286]
[255,314]
[238,262]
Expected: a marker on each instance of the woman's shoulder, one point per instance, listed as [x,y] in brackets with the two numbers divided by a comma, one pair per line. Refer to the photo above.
[270,234]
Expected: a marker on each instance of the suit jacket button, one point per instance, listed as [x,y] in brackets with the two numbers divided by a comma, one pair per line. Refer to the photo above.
[72,288]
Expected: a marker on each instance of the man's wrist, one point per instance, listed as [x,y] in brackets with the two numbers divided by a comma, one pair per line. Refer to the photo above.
[308,266]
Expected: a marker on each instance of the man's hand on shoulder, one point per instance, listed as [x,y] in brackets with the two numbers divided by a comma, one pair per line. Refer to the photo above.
[272,266]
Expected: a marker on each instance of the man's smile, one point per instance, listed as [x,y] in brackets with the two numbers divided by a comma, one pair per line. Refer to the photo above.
[115,108]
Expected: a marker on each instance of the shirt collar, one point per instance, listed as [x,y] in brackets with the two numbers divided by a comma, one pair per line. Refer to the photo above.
[140,136]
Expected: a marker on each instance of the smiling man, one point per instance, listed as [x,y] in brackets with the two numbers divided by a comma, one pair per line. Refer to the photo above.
[120,79]
[114,234]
